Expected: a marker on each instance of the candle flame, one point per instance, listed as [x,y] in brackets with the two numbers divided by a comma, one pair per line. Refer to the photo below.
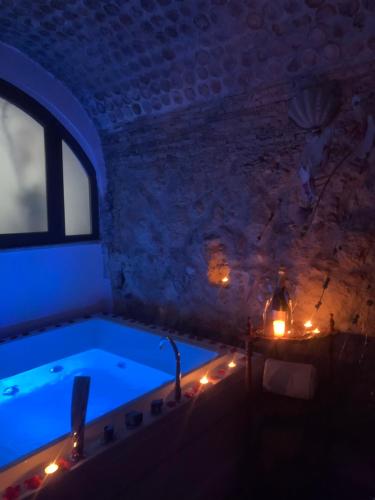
[308,324]
[279,328]
[51,468]
[232,364]
[225,279]
[204,380]
[316,330]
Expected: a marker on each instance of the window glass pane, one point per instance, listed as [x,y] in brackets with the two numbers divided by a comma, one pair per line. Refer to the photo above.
[76,194]
[23,197]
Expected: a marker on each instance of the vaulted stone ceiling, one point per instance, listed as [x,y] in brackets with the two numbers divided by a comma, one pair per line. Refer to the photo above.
[126,58]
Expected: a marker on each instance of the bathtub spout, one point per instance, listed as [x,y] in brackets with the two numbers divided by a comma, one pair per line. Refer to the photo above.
[178,365]
[80,398]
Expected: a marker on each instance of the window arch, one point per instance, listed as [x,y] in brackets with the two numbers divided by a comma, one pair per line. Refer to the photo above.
[48,189]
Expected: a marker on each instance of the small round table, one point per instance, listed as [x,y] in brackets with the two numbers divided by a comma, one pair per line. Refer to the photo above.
[257,334]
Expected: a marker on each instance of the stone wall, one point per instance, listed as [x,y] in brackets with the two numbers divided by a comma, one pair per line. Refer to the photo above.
[204,205]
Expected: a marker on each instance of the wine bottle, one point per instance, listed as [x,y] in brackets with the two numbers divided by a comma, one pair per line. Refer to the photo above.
[277,315]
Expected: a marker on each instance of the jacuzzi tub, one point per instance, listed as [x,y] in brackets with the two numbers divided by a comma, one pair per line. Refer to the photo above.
[37,372]
[127,369]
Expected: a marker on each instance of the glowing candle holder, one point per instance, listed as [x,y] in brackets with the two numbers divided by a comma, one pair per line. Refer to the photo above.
[279,328]
[277,314]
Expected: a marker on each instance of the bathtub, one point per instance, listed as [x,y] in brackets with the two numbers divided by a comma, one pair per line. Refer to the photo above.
[127,368]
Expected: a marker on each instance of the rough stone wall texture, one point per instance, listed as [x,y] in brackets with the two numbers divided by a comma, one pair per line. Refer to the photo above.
[191,193]
[128,58]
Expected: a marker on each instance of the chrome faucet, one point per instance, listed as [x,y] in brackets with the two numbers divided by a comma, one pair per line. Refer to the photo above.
[80,396]
[177,354]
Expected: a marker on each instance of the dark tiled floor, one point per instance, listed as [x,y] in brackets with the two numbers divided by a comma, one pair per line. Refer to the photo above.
[325,451]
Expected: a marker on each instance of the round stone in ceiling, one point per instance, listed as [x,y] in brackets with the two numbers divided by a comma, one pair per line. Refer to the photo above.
[254,21]
[325,13]
[331,52]
[309,57]
[348,7]
[202,22]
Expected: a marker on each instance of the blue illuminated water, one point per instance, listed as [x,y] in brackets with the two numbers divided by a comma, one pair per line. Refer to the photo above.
[40,411]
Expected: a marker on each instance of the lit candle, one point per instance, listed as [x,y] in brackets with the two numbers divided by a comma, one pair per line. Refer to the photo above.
[279,328]
[51,468]
[316,330]
[225,279]
[232,364]
[204,380]
[308,324]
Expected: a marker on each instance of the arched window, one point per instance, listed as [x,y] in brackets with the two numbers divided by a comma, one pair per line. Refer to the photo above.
[48,190]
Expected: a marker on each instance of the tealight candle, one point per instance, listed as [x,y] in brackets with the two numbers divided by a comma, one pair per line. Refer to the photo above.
[51,468]
[204,380]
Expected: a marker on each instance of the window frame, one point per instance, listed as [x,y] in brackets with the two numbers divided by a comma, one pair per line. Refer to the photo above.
[54,134]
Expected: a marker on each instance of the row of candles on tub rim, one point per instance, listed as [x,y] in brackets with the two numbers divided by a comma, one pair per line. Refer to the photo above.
[53,467]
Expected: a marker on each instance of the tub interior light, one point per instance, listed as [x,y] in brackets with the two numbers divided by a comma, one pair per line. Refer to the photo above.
[51,468]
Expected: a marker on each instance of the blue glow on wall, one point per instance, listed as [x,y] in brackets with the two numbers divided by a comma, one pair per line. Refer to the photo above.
[51,282]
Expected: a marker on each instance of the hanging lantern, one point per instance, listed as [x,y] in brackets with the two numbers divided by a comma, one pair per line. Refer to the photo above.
[277,314]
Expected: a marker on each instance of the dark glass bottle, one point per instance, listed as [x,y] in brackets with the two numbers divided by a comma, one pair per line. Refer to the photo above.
[277,315]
